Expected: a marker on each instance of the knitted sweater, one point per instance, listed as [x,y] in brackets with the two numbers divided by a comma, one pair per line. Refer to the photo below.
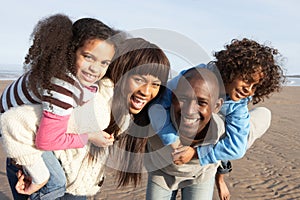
[19,125]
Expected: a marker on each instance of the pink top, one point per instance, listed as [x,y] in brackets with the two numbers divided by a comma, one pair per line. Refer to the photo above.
[59,138]
[57,103]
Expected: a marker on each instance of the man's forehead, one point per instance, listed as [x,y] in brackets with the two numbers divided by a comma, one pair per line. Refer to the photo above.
[193,88]
[199,79]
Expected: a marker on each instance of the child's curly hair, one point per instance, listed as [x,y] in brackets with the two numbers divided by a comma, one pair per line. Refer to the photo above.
[244,57]
[55,41]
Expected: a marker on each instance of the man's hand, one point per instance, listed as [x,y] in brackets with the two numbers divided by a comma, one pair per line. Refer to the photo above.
[183,154]
[101,139]
[25,185]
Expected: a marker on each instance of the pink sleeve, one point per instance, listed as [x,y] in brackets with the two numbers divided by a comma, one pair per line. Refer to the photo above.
[52,135]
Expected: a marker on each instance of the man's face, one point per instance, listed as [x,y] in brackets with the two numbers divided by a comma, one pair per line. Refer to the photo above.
[192,106]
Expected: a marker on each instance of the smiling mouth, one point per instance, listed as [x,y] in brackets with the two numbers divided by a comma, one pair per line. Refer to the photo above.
[190,121]
[188,127]
[89,77]
[240,94]
[137,103]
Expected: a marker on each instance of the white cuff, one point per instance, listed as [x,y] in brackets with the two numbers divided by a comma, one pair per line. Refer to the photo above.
[38,172]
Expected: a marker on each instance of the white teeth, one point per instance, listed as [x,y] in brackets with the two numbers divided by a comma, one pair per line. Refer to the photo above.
[189,120]
[90,76]
[139,100]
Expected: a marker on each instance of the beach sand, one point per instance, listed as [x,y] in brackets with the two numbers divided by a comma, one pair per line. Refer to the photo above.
[269,170]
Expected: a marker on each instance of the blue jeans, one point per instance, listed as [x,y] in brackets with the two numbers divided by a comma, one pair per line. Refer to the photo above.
[55,187]
[72,197]
[202,191]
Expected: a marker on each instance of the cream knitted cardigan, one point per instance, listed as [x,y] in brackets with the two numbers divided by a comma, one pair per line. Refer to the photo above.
[18,126]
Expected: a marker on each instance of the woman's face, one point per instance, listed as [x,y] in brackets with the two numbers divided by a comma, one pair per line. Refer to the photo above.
[92,61]
[140,90]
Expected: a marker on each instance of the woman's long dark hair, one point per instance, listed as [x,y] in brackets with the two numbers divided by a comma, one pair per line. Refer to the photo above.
[135,56]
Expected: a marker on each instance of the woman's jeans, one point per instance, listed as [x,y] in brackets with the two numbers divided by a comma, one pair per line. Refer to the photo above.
[55,187]
[198,191]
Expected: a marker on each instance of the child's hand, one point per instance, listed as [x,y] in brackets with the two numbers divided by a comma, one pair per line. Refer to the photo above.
[183,154]
[101,139]
[176,144]
[25,185]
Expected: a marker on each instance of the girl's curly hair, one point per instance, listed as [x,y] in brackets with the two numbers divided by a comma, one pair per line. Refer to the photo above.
[55,41]
[244,57]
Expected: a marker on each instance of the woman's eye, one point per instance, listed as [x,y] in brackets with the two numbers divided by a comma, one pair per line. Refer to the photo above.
[105,63]
[138,80]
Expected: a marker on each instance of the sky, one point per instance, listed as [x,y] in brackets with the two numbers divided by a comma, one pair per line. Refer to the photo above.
[189,31]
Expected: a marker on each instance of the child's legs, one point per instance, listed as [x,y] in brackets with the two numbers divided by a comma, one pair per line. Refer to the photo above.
[155,191]
[203,190]
[260,120]
[174,194]
[11,170]
[56,186]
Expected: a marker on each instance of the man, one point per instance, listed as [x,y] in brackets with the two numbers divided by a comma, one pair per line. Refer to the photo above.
[195,102]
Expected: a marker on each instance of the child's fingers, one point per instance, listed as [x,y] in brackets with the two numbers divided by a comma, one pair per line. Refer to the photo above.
[20,186]
[110,142]
[108,138]
[19,174]
[105,134]
[177,156]
[182,148]
[179,150]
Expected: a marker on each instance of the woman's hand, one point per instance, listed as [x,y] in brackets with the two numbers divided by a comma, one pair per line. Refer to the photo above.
[25,185]
[101,139]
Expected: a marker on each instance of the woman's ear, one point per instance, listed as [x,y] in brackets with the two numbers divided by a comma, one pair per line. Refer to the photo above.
[218,105]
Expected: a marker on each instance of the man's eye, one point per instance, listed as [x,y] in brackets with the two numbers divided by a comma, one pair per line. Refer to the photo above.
[202,103]
[181,99]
